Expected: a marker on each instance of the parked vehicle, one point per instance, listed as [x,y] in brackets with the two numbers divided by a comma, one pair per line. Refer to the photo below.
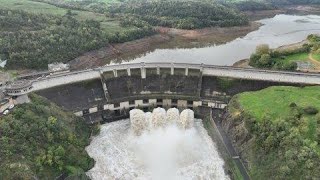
[11,106]
[5,112]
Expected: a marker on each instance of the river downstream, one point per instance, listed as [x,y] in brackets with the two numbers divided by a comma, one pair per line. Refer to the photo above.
[277,31]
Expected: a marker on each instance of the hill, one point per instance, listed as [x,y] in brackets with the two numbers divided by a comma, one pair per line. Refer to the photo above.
[277,131]
[40,140]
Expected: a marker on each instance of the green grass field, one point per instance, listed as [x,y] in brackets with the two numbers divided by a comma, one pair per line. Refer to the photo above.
[274,102]
[316,56]
[108,24]
[295,57]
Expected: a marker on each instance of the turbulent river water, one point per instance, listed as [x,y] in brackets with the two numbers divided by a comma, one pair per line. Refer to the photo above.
[162,145]
[277,31]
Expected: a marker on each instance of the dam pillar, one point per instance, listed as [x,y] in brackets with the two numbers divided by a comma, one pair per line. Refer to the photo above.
[129,71]
[187,72]
[153,102]
[172,69]
[158,70]
[138,103]
[182,104]
[115,73]
[166,103]
[104,87]
[108,107]
[143,71]
[197,103]
[200,80]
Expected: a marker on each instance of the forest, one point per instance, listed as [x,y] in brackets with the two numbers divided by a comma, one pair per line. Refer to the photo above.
[182,15]
[33,40]
[40,140]
[283,123]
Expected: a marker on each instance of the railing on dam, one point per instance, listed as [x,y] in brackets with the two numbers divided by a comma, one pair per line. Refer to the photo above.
[207,70]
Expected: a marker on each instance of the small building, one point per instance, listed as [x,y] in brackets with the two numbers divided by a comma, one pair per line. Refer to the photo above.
[18,88]
[57,68]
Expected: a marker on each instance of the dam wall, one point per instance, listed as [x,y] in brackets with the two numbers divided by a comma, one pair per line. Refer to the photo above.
[113,90]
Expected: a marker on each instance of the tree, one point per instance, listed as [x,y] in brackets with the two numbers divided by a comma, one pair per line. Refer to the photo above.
[254,58]
[262,49]
[265,60]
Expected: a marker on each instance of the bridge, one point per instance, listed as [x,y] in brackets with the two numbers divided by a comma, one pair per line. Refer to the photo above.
[207,70]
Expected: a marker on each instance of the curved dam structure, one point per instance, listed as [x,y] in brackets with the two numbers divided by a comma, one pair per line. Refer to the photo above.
[111,91]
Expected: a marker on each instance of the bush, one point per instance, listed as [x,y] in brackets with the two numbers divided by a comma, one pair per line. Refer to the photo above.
[293,105]
[310,110]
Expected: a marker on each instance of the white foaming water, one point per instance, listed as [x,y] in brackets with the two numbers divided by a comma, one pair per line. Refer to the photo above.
[138,121]
[159,117]
[155,150]
[172,115]
[186,119]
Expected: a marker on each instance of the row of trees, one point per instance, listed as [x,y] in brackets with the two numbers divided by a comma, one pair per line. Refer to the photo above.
[252,5]
[34,40]
[39,140]
[289,2]
[87,5]
[185,15]
[264,57]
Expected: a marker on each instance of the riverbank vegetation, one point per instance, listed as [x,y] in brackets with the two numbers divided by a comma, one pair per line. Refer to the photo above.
[293,2]
[285,59]
[283,124]
[252,5]
[35,33]
[182,15]
[39,140]
[63,38]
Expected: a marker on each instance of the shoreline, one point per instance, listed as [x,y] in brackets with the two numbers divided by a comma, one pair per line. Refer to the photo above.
[244,63]
[165,38]
[169,38]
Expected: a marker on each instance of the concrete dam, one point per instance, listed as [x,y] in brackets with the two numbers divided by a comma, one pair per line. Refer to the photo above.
[108,93]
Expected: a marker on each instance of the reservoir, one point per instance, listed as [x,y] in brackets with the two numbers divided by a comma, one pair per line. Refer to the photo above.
[277,31]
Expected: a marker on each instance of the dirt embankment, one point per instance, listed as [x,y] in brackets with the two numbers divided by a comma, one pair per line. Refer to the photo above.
[302,9]
[257,15]
[104,55]
[211,34]
[234,124]
[166,38]
[244,63]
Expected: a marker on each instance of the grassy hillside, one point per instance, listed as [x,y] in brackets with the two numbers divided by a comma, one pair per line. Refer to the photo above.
[284,130]
[275,102]
[110,25]
[40,140]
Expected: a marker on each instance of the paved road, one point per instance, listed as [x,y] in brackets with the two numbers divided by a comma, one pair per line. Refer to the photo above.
[207,70]
[232,152]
